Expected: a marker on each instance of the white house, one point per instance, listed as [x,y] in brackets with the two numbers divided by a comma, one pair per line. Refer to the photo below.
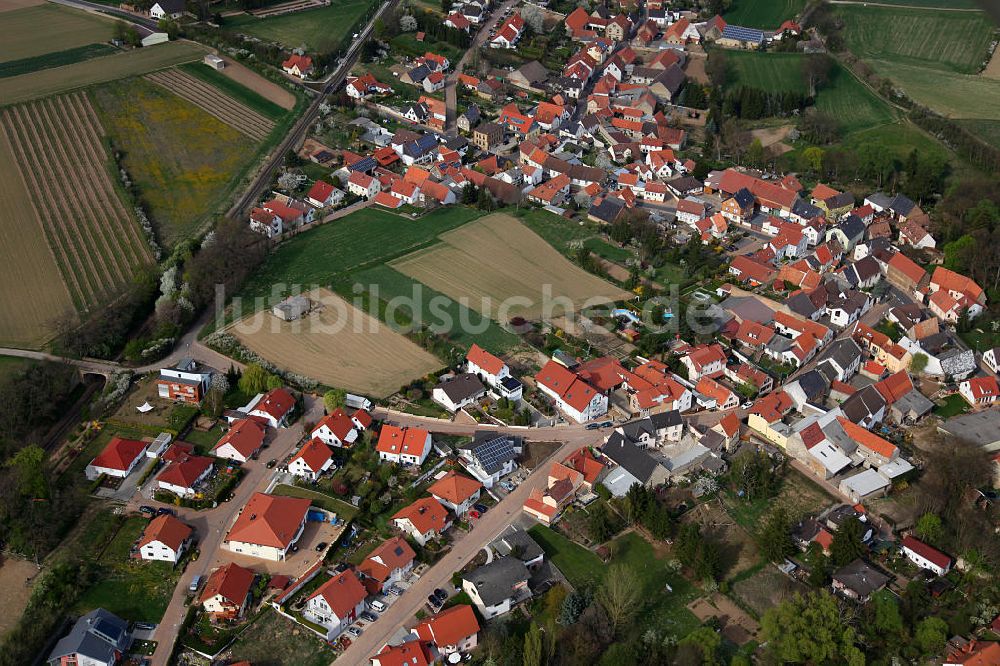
[324,195]
[572,395]
[312,460]
[337,603]
[185,474]
[243,441]
[337,429]
[268,526]
[456,491]
[494,372]
[118,458]
[980,391]
[455,629]
[424,520]
[185,382]
[490,456]
[274,407]
[387,564]
[496,587]
[406,446]
[165,539]
[925,556]
[363,185]
[162,9]
[458,392]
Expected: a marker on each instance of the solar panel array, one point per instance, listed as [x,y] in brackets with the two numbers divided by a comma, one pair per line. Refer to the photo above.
[493,453]
[742,34]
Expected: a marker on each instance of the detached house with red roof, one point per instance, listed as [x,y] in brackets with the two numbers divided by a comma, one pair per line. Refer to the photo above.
[324,195]
[363,185]
[952,293]
[274,407]
[118,458]
[411,653]
[980,391]
[268,526]
[165,539]
[572,395]
[705,361]
[312,460]
[298,65]
[509,33]
[456,491]
[243,441]
[337,603]
[387,564]
[493,372]
[340,430]
[405,446]
[184,475]
[227,592]
[424,520]
[925,556]
[547,505]
[455,629]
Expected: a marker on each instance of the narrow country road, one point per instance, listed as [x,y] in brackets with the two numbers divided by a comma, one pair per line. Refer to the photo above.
[895,6]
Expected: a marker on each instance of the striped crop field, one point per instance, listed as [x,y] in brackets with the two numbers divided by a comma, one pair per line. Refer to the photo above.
[92,236]
[208,98]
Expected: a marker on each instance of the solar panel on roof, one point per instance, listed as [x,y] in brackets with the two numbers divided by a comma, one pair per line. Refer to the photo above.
[742,34]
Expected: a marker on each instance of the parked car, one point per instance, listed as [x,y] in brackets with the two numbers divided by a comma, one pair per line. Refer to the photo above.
[271,463]
[195,583]
[481,508]
[165,511]
[354,631]
[378,605]
[321,546]
[474,515]
[433,601]
[440,594]
[507,485]
[395,591]
[747,405]
[369,616]
[144,626]
[606,424]
[148,510]
[593,426]
[345,642]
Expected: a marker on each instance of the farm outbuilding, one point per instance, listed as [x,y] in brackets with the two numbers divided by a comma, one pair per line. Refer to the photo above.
[292,308]
[214,61]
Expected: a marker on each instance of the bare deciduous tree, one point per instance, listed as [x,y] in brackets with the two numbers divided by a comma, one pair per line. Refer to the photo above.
[620,595]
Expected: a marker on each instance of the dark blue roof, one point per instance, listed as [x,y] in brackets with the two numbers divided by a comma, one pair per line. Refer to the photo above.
[804,209]
[742,34]
[744,197]
[364,165]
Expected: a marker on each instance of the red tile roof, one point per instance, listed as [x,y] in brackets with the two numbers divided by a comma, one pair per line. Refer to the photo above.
[232,582]
[393,554]
[450,626]
[338,422]
[269,520]
[119,454]
[867,439]
[773,406]
[246,436]
[414,653]
[342,593]
[167,530]
[186,472]
[455,487]
[314,454]
[485,360]
[401,441]
[984,387]
[928,552]
[583,461]
[276,403]
[426,514]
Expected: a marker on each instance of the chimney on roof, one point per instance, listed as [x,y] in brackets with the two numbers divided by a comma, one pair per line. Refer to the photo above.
[252,516]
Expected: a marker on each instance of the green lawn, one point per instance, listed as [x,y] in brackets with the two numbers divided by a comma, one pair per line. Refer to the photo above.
[935,4]
[555,229]
[319,30]
[582,567]
[764,14]
[234,89]
[799,495]
[365,239]
[343,510]
[11,365]
[952,41]
[134,589]
[608,251]
[406,43]
[436,309]
[953,405]
[204,440]
[843,97]
[966,96]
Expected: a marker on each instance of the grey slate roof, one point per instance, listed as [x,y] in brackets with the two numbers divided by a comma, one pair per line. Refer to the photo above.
[462,387]
[666,419]
[495,581]
[744,197]
[862,404]
[491,450]
[624,453]
[861,578]
[97,635]
[608,210]
[853,227]
[805,210]
[844,352]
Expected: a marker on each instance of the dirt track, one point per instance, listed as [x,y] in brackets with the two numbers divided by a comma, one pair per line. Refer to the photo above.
[269,90]
[14,591]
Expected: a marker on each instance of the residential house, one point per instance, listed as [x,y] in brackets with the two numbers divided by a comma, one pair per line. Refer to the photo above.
[337,603]
[362,185]
[300,66]
[980,391]
[738,37]
[632,466]
[339,430]
[767,414]
[495,588]
[456,491]
[99,638]
[952,293]
[406,446]
[274,407]
[858,581]
[715,395]
[226,595]
[572,395]
[312,460]
[424,520]
[739,208]
[389,563]
[117,459]
[185,382]
[490,456]
[268,526]
[487,135]
[165,539]
[751,271]
[868,483]
[494,372]
[458,392]
[453,630]
[925,556]
[704,361]
[991,357]
[324,195]
[243,441]
[410,653]
[167,9]
[904,274]
[184,473]
[508,33]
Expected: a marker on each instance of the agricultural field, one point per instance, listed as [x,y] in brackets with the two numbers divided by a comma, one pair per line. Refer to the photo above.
[97,70]
[183,159]
[844,97]
[502,268]
[935,4]
[965,96]
[389,287]
[339,345]
[210,99]
[319,30]
[94,240]
[764,14]
[32,32]
[987,130]
[245,86]
[955,42]
[333,253]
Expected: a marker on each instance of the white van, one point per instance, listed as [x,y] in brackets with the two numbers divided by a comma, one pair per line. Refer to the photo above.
[378,605]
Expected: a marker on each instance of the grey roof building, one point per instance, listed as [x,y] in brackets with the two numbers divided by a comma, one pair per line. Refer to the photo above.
[634,466]
[980,428]
[99,637]
[497,586]
[858,580]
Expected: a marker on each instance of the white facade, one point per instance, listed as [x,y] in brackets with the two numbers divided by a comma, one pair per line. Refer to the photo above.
[298,467]
[272,553]
[596,408]
[161,552]
[923,562]
[318,611]
[330,438]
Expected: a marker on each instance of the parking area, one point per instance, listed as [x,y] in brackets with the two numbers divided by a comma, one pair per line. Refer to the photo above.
[295,563]
[391,596]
